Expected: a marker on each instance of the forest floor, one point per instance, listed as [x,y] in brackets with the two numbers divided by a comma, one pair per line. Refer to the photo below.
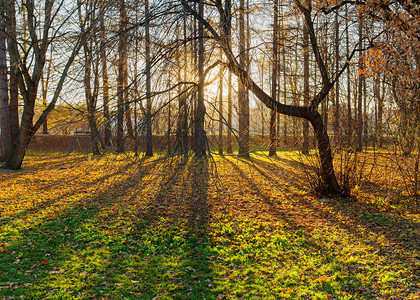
[218,228]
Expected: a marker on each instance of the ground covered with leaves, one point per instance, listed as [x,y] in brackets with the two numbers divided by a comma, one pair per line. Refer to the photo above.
[116,227]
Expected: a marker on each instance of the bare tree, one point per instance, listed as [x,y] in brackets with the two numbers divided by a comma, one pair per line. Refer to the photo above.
[199,135]
[122,71]
[149,133]
[105,84]
[243,101]
[29,71]
[306,96]
[5,124]
[273,113]
[309,113]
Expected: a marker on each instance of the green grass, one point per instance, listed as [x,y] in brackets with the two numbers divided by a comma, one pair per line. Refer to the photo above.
[106,245]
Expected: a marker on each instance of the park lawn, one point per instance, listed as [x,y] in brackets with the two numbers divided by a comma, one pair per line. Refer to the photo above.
[217,228]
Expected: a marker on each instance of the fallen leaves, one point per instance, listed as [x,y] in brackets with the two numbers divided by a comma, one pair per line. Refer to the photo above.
[182,231]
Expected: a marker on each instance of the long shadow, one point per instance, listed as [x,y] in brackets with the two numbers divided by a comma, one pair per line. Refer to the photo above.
[401,251]
[76,189]
[198,246]
[38,259]
[181,206]
[366,216]
[362,219]
[272,206]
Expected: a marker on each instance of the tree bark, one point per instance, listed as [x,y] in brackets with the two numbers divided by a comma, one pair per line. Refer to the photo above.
[306,97]
[273,135]
[337,84]
[349,110]
[199,134]
[243,101]
[5,124]
[105,84]
[122,65]
[13,80]
[149,133]
[45,80]
[221,108]
[360,92]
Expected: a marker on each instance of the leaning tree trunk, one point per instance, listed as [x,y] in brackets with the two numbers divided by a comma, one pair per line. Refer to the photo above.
[331,185]
[309,113]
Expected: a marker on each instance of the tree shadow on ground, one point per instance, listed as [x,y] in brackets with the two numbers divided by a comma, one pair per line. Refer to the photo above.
[361,217]
[306,214]
[181,204]
[71,250]
[41,185]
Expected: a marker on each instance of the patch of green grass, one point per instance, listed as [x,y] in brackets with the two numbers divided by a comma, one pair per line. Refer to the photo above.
[105,249]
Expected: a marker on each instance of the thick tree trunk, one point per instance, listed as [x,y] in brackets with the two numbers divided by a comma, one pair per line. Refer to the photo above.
[14,104]
[5,124]
[324,150]
[13,82]
[308,113]
[24,136]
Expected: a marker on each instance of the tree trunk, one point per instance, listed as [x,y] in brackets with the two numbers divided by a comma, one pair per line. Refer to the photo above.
[91,103]
[199,134]
[13,82]
[14,103]
[349,110]
[5,124]
[273,144]
[105,83]
[227,26]
[360,92]
[324,150]
[306,97]
[149,133]
[243,102]
[44,85]
[229,148]
[122,65]
[169,118]
[337,84]
[221,108]
[380,113]
[23,138]
[91,97]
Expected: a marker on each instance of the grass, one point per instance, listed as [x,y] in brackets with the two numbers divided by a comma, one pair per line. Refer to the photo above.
[222,228]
